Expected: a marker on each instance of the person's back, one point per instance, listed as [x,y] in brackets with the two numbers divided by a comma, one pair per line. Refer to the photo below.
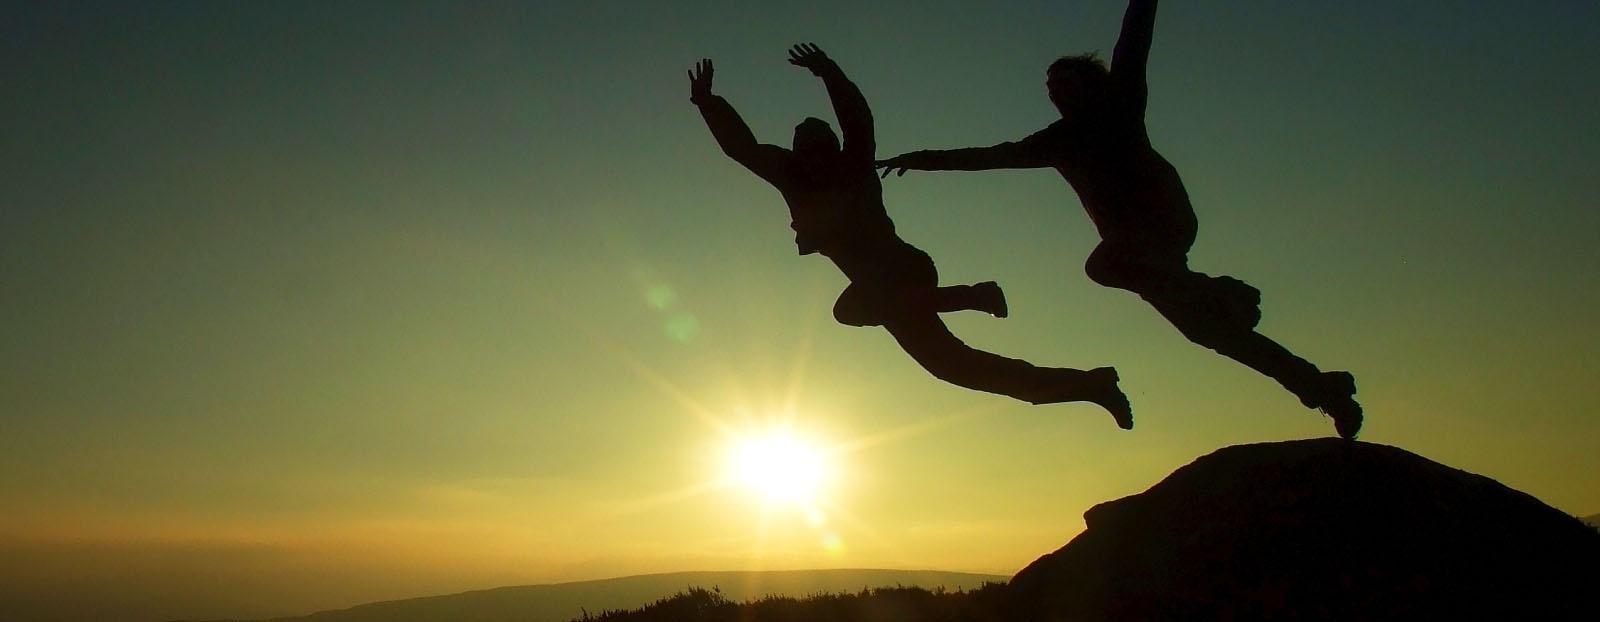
[835,204]
[1131,193]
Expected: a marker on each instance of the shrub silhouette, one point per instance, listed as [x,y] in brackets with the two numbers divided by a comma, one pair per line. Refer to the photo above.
[910,604]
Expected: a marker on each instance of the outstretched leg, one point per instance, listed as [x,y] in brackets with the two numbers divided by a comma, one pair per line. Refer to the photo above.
[1253,349]
[1331,392]
[895,286]
[1220,313]
[929,342]
[1222,300]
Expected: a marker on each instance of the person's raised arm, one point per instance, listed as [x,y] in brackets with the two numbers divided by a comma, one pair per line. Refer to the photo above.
[730,130]
[849,105]
[1132,53]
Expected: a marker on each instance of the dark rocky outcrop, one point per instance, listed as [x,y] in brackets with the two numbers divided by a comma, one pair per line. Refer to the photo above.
[1318,530]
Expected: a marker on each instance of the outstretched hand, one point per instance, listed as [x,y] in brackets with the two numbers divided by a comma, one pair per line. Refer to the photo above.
[894,165]
[700,80]
[810,56]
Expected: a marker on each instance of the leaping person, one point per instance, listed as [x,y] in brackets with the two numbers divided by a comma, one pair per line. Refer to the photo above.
[1138,204]
[835,203]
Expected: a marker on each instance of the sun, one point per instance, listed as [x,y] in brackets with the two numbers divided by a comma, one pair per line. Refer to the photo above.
[778,466]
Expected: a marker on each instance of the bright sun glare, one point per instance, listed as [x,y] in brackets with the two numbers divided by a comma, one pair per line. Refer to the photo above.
[779,467]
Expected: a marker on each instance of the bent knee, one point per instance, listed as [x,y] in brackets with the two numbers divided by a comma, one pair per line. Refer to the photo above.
[854,316]
[855,311]
[1110,270]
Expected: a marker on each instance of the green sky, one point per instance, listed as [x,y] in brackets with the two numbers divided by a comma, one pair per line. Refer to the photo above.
[306,305]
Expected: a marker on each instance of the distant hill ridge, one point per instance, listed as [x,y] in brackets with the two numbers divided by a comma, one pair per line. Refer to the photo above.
[560,602]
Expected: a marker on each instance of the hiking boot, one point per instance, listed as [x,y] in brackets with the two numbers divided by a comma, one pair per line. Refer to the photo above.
[1097,386]
[1109,396]
[990,299]
[1336,399]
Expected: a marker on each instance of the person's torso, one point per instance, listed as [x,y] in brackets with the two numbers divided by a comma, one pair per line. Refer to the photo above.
[1129,191]
[837,206]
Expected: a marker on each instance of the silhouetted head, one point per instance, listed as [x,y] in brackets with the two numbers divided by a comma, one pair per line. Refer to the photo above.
[814,139]
[1077,83]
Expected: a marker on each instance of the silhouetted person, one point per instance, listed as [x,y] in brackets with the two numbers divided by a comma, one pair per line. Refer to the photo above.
[836,207]
[1143,214]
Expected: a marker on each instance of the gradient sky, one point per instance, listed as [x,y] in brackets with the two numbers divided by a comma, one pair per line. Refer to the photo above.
[305,305]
